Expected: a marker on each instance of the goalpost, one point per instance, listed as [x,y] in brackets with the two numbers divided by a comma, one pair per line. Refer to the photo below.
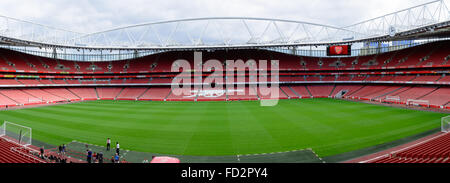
[445,124]
[35,100]
[16,133]
[392,99]
[418,102]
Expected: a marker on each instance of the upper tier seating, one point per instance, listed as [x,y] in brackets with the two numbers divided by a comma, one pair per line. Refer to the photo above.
[432,54]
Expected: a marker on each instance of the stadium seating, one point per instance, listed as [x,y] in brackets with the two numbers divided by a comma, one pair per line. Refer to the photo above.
[147,78]
[439,97]
[301,91]
[43,95]
[156,94]
[428,55]
[7,155]
[84,93]
[288,91]
[419,73]
[435,150]
[131,93]
[63,93]
[242,93]
[320,90]
[108,93]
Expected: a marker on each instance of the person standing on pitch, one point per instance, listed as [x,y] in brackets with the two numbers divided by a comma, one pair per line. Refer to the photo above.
[89,156]
[108,144]
[100,157]
[117,148]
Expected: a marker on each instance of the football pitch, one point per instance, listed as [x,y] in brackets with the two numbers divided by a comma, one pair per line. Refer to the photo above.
[327,126]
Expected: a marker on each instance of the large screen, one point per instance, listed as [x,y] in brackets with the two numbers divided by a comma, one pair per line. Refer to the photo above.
[339,50]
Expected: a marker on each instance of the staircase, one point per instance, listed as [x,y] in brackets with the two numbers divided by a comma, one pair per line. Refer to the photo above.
[96,93]
[17,103]
[308,91]
[73,93]
[118,94]
[334,87]
[285,93]
[437,88]
[293,91]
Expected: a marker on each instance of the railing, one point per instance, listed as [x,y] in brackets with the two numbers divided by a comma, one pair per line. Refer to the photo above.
[115,55]
[365,50]
[16,150]
[83,54]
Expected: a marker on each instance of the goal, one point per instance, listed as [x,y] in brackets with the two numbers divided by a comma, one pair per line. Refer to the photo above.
[445,124]
[35,100]
[17,133]
[425,103]
[392,99]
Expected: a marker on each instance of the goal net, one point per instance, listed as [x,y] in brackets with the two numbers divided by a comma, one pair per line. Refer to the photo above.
[445,124]
[425,103]
[35,100]
[392,99]
[17,133]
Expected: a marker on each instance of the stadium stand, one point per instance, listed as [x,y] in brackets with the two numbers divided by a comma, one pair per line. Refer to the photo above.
[365,77]
[131,93]
[84,93]
[435,150]
[108,93]
[157,94]
[8,155]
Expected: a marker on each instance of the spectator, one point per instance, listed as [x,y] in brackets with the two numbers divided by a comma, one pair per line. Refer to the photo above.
[108,144]
[117,148]
[59,149]
[100,157]
[94,157]
[42,152]
[116,158]
[89,156]
[64,149]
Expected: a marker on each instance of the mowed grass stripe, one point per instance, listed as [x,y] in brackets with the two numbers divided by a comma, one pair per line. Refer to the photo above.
[328,126]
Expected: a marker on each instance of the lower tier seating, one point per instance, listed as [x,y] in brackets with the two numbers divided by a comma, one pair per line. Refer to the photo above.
[436,96]
[8,155]
[435,150]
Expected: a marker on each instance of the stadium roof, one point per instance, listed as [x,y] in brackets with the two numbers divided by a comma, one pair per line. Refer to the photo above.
[429,20]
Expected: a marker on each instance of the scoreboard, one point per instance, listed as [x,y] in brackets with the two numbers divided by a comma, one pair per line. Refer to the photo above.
[339,50]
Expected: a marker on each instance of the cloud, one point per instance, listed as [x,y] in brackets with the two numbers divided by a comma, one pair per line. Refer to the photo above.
[91,16]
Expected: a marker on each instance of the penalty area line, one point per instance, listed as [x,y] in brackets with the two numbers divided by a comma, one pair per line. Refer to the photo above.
[260,154]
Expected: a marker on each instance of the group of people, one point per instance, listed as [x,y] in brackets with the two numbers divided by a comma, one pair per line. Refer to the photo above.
[116,157]
[62,149]
[108,146]
[93,157]
[59,158]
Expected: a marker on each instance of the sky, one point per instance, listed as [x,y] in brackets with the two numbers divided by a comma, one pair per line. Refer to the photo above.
[88,16]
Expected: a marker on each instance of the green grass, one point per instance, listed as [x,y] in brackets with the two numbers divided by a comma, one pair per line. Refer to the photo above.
[327,126]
